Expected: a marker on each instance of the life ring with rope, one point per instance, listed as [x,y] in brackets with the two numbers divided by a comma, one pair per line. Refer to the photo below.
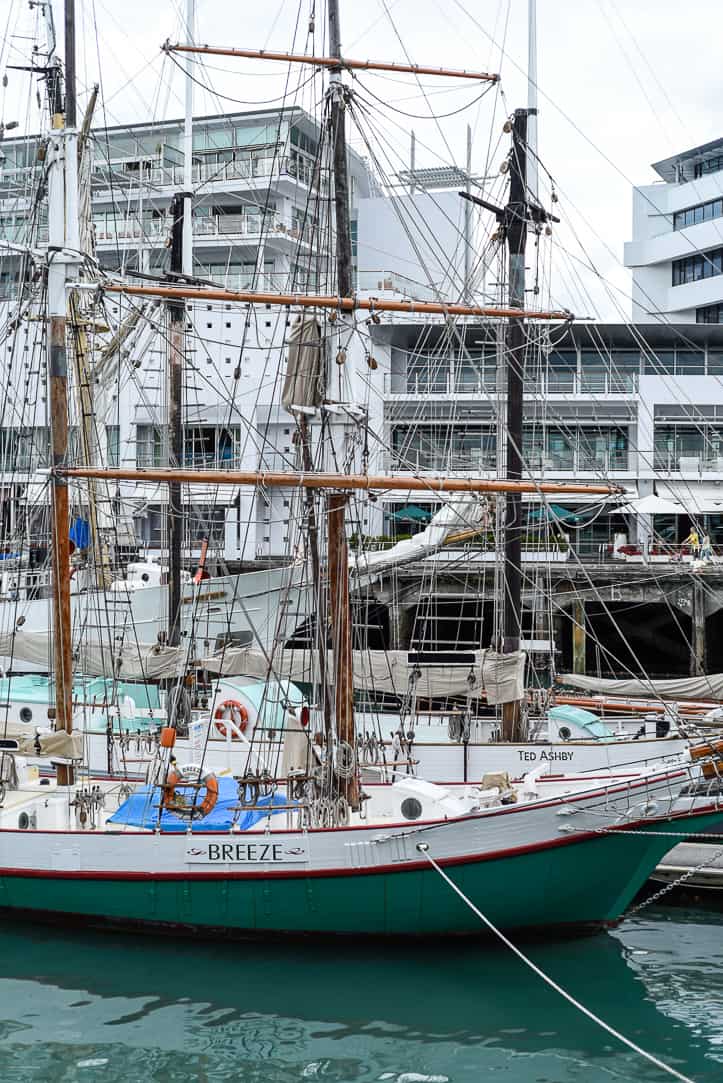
[233,712]
[180,777]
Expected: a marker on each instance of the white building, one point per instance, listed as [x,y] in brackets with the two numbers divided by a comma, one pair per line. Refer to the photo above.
[676,254]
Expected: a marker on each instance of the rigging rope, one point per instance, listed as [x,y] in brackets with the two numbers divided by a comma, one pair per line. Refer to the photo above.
[423,848]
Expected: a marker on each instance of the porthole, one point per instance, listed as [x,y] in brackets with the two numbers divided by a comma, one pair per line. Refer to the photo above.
[26,715]
[411,808]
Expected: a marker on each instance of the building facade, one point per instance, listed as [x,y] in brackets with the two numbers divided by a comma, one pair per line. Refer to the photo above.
[676,252]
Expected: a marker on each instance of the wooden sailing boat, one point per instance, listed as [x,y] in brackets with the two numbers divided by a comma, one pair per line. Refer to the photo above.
[312,851]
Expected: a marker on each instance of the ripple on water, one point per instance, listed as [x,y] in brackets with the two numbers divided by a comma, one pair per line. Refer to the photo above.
[76,1009]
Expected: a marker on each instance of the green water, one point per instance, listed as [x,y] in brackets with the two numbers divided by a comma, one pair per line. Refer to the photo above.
[87,1007]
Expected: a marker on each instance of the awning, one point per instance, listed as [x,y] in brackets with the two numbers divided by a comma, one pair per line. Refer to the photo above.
[693,498]
[412,514]
[654,505]
[553,513]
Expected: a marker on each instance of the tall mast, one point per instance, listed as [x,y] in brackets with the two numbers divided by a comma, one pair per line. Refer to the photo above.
[174,383]
[516,214]
[532,174]
[341,173]
[339,608]
[181,263]
[188,144]
[63,242]
[468,221]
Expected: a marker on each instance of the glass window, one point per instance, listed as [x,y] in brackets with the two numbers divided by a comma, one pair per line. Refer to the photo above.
[113,441]
[698,213]
[256,134]
[660,363]
[715,357]
[219,137]
[562,370]
[690,362]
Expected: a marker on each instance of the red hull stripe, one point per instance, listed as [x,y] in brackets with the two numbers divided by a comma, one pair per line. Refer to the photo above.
[305,874]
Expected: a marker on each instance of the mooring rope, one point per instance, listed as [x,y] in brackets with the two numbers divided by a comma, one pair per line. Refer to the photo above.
[423,848]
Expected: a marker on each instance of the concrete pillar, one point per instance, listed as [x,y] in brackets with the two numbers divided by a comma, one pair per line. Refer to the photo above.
[579,637]
[697,640]
[400,626]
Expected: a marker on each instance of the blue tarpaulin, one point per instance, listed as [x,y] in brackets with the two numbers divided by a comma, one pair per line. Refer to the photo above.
[80,533]
[141,809]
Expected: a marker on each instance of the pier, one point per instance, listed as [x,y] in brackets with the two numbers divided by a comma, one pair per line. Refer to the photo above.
[602,615]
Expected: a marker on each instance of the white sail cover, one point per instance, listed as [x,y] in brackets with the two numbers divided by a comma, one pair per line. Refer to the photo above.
[500,676]
[464,513]
[134,662]
[706,687]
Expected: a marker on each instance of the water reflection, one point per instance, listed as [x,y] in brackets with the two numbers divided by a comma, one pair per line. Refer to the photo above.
[109,1007]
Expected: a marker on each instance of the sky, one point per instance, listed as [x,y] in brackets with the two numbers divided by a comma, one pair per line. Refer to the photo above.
[622,83]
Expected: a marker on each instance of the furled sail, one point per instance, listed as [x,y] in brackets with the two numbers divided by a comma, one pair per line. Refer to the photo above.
[463,515]
[707,686]
[304,378]
[499,676]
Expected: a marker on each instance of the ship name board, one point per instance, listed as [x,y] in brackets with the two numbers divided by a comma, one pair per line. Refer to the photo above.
[246,853]
[545,756]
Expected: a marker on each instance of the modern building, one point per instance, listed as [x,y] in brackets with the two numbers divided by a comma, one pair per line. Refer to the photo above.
[260,221]
[607,401]
[676,253]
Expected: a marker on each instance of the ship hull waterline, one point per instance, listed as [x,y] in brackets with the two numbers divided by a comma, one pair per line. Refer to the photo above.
[565,885]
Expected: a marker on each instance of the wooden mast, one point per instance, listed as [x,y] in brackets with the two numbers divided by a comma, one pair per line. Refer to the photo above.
[338,559]
[516,217]
[62,207]
[176,356]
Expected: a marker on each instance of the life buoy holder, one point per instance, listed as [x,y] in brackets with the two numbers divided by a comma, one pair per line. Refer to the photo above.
[233,712]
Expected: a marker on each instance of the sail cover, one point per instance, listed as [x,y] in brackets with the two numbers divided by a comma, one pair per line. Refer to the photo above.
[706,687]
[500,676]
[303,383]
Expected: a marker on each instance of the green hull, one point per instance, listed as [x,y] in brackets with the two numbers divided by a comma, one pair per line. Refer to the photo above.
[583,883]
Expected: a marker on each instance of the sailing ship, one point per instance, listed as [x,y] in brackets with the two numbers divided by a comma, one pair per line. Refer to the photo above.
[308,847]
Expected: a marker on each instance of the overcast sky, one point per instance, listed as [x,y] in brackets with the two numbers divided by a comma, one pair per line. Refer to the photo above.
[622,83]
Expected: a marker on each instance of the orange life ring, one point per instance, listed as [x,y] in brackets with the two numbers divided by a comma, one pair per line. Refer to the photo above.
[236,713]
[173,778]
[209,801]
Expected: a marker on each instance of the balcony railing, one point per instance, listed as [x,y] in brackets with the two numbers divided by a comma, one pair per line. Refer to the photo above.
[602,462]
[439,379]
[262,166]
[212,225]
[690,464]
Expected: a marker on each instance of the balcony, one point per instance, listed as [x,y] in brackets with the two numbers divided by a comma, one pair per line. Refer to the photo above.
[569,464]
[241,173]
[688,466]
[438,379]
[270,226]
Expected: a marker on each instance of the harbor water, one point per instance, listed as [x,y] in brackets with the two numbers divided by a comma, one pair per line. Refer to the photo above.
[88,1006]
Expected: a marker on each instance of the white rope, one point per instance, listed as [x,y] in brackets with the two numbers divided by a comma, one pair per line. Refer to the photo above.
[423,848]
